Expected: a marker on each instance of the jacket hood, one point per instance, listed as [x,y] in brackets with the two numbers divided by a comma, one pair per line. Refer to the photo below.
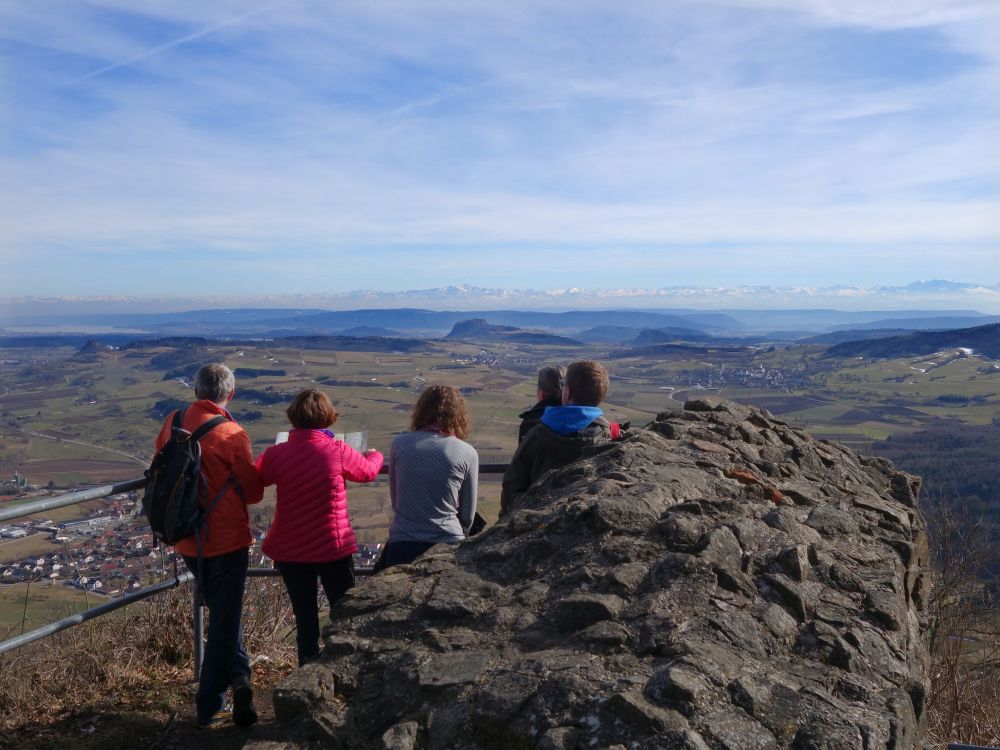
[538,409]
[564,420]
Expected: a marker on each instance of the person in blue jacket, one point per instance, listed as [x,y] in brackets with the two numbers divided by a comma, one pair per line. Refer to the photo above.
[564,431]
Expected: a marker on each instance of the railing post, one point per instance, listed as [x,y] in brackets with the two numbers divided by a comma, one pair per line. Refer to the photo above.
[199,628]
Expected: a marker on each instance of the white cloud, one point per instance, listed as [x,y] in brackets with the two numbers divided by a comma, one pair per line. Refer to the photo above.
[302,127]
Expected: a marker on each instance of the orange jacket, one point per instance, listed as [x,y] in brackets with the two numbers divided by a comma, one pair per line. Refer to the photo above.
[225,451]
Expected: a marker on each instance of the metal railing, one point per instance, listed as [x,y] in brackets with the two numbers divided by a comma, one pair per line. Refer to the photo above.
[198,615]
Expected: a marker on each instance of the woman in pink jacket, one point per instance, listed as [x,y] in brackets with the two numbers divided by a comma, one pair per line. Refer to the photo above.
[311,536]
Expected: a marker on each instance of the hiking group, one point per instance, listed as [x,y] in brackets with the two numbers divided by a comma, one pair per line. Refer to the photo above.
[203,476]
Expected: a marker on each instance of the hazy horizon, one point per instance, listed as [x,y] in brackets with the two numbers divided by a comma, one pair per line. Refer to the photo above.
[938,295]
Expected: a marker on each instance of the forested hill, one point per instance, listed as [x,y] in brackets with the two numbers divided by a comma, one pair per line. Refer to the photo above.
[984,340]
[958,465]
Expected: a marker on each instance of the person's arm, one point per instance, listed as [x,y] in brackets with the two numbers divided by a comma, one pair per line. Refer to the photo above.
[517,478]
[468,491]
[263,465]
[358,467]
[242,467]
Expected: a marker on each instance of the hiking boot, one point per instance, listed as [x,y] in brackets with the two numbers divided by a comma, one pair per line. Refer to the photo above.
[244,714]
[216,720]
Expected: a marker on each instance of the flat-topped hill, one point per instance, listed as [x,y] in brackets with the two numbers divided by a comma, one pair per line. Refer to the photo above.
[717,580]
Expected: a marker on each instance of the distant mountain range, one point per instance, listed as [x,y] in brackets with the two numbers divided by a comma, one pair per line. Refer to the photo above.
[935,294]
[984,340]
[596,326]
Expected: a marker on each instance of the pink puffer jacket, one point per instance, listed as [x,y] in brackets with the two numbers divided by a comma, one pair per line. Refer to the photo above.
[311,522]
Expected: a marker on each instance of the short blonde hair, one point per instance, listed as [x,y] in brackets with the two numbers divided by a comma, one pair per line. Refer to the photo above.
[444,406]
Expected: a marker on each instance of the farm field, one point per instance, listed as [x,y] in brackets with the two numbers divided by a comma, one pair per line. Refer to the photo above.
[45,603]
[92,419]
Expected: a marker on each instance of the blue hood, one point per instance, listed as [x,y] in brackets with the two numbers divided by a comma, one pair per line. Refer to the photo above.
[564,420]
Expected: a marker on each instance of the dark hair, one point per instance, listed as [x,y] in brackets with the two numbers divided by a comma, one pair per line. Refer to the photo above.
[444,406]
[311,409]
[550,380]
[587,382]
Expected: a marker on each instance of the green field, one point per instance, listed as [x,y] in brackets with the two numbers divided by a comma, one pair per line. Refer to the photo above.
[32,606]
[88,420]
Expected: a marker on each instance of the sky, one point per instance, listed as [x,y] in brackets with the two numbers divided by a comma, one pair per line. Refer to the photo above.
[172,149]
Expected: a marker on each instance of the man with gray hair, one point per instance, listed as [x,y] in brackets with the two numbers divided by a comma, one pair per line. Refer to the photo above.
[231,482]
[547,394]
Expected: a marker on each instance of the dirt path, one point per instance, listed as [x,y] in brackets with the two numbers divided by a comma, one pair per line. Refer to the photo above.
[170,725]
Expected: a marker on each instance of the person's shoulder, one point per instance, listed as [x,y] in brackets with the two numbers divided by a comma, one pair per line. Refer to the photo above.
[465,446]
[403,438]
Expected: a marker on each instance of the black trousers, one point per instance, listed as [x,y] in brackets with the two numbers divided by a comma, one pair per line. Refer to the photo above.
[301,581]
[224,578]
[401,553]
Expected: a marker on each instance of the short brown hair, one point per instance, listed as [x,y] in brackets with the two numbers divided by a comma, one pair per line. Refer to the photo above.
[587,382]
[311,409]
[442,405]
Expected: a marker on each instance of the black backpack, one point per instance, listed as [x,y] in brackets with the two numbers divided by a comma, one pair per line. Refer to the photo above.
[171,500]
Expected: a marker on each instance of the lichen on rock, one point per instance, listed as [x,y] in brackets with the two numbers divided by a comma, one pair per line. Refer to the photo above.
[718,580]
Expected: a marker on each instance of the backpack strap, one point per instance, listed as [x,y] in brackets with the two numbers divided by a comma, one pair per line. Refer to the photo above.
[177,422]
[207,427]
[215,501]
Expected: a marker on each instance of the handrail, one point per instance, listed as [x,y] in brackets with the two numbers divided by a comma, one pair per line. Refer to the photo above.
[96,493]
[71,498]
[89,614]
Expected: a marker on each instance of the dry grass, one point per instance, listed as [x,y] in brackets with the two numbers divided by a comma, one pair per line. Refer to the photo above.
[964,704]
[140,658]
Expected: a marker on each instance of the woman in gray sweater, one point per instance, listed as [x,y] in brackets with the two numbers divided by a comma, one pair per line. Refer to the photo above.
[433,478]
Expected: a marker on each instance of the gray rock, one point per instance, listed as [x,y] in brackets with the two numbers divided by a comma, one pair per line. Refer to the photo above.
[733,730]
[304,689]
[638,713]
[402,736]
[577,611]
[453,668]
[560,738]
[720,580]
[885,608]
[677,683]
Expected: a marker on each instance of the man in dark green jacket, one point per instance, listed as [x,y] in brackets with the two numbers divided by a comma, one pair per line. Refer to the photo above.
[564,432]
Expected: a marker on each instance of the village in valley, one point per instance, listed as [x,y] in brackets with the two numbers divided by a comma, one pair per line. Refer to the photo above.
[89,416]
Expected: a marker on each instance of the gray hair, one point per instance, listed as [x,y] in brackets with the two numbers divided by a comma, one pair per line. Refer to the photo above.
[550,380]
[214,382]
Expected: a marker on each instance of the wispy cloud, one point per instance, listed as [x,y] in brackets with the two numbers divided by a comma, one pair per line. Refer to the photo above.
[187,38]
[799,141]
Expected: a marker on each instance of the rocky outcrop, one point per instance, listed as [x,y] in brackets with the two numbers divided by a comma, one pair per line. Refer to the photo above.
[717,580]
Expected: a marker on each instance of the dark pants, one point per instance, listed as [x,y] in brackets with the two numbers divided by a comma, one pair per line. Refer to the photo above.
[401,553]
[300,580]
[223,579]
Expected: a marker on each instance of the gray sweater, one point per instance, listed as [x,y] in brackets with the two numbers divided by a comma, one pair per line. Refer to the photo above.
[432,483]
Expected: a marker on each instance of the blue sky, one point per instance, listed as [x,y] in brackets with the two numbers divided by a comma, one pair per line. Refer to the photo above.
[298,146]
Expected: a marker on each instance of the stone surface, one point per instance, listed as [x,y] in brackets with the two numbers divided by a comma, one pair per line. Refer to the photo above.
[306,688]
[716,580]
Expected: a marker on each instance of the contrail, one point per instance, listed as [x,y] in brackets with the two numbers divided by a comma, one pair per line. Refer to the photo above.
[182,40]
